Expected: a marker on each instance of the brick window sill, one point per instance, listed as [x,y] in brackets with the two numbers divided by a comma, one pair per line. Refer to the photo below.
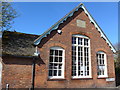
[81,78]
[56,79]
[102,77]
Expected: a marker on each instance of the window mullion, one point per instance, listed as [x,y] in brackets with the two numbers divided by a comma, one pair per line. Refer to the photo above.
[83,60]
[89,56]
[63,62]
[77,57]
[53,63]
[98,59]
[58,63]
[86,62]
[105,63]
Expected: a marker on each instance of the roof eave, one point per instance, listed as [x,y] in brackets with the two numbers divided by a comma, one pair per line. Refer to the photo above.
[56,25]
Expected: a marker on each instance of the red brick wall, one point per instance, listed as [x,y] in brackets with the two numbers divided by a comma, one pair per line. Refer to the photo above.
[64,40]
[17,72]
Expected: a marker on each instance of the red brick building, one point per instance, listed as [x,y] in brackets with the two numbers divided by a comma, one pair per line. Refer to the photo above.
[73,53]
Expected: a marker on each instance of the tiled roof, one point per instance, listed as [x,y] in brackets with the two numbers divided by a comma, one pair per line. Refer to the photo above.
[18,44]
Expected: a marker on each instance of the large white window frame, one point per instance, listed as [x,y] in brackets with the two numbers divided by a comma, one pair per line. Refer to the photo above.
[85,61]
[56,63]
[101,64]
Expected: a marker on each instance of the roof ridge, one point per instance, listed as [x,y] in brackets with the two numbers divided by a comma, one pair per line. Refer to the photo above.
[15,32]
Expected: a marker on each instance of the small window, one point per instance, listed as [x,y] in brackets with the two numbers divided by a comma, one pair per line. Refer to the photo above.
[56,63]
[101,64]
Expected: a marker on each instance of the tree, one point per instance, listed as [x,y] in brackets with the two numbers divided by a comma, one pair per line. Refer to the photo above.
[117,56]
[8,14]
[117,64]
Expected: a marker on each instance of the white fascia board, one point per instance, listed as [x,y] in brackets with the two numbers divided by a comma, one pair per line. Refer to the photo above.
[99,29]
[55,26]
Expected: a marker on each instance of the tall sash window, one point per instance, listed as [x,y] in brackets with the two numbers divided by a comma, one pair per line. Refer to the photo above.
[81,61]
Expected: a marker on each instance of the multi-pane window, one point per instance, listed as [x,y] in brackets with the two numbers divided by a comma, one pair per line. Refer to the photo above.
[56,62]
[101,64]
[81,63]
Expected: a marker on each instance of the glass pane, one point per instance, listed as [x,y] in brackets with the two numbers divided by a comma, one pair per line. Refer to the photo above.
[74,62]
[81,68]
[59,72]
[55,66]
[78,67]
[78,72]
[85,63]
[50,72]
[51,59]
[86,42]
[56,59]
[73,48]
[79,49]
[81,59]
[78,53]
[73,58]
[103,62]
[55,72]
[74,67]
[100,61]
[60,66]
[50,64]
[99,55]
[81,73]
[56,52]
[73,53]
[81,53]
[103,72]
[80,41]
[73,73]
[78,58]
[60,59]
[87,68]
[51,67]
[60,52]
[87,72]
[51,52]
[85,51]
[73,40]
[98,72]
[103,56]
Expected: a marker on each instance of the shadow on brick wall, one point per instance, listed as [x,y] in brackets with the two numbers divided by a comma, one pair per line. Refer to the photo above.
[117,71]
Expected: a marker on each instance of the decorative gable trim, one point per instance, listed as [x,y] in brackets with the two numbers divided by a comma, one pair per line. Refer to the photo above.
[56,25]
[99,29]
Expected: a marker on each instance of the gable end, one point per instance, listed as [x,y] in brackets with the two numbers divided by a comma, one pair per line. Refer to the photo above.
[56,25]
